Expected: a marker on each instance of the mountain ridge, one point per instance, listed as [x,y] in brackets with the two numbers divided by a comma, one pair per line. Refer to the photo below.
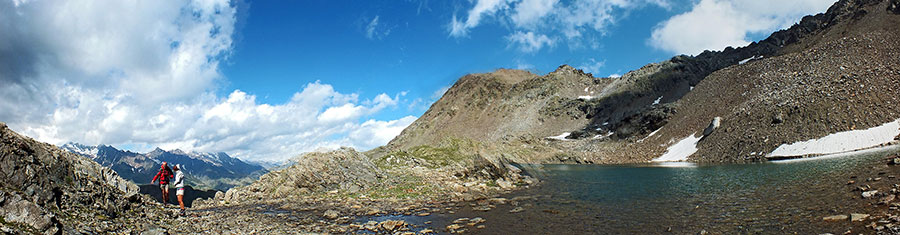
[205,170]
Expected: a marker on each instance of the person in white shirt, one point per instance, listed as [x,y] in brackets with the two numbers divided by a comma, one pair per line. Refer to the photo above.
[179,186]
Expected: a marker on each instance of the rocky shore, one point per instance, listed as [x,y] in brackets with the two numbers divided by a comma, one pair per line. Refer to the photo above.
[879,187]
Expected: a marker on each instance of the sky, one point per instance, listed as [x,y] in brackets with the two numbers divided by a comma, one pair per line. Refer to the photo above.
[269,80]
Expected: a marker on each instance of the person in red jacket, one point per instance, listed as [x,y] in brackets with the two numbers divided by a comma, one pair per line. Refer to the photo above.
[163,175]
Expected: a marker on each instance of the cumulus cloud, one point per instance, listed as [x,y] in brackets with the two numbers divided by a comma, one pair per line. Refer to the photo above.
[530,42]
[145,73]
[716,24]
[576,21]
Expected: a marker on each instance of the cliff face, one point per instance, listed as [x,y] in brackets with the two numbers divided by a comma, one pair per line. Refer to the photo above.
[45,188]
[846,54]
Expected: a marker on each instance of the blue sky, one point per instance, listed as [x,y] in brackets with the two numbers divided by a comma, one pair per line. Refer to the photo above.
[267,80]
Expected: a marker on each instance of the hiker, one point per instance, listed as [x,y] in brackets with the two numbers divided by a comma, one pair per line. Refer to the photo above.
[179,186]
[163,175]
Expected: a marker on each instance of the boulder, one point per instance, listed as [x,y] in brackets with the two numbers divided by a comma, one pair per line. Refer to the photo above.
[715,123]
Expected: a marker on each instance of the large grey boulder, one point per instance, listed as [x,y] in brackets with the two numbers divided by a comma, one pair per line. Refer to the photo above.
[715,123]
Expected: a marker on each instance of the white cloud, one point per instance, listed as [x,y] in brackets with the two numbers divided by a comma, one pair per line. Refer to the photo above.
[145,73]
[481,9]
[374,133]
[579,22]
[529,12]
[530,42]
[716,24]
[592,66]
[376,32]
[615,75]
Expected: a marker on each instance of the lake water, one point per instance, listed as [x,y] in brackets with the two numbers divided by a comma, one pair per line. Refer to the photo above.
[783,197]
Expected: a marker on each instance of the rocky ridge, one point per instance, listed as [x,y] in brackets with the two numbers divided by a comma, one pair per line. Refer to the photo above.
[50,191]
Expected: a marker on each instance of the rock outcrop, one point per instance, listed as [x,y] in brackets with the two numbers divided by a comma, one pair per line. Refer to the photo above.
[344,170]
[45,188]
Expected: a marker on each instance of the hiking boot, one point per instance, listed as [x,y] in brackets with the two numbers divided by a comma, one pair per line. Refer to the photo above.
[181,212]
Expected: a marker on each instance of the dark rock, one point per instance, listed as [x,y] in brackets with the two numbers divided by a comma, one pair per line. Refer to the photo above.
[894,6]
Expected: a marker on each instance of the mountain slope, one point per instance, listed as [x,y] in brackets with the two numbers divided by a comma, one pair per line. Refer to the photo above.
[511,113]
[845,78]
[204,170]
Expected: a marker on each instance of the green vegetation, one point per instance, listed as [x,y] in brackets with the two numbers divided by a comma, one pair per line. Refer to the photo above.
[428,156]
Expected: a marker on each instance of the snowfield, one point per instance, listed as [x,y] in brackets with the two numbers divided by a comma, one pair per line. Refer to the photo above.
[681,150]
[841,142]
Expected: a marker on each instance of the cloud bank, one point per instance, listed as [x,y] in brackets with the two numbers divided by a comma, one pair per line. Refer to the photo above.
[146,73]
[716,24]
[538,24]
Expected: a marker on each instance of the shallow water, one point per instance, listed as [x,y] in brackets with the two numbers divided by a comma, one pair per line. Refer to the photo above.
[784,197]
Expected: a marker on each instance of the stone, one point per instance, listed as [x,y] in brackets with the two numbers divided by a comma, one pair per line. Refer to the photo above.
[894,161]
[391,225]
[835,218]
[424,214]
[868,194]
[517,209]
[331,214]
[426,231]
[887,199]
[715,123]
[858,217]
[453,227]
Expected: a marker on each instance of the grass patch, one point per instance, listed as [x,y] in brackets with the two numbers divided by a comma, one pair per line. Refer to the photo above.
[426,155]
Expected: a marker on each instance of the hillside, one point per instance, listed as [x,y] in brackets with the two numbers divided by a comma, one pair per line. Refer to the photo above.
[831,72]
[203,170]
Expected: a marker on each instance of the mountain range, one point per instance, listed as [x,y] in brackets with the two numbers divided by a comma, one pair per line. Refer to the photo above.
[203,170]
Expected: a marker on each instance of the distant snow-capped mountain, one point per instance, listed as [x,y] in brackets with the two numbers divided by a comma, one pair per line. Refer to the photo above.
[203,170]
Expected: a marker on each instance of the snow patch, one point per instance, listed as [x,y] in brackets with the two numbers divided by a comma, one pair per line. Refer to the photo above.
[560,137]
[585,97]
[749,59]
[586,89]
[650,135]
[681,150]
[655,102]
[608,134]
[841,142]
[891,148]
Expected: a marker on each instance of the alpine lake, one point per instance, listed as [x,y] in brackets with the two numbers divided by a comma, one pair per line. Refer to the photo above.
[778,197]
